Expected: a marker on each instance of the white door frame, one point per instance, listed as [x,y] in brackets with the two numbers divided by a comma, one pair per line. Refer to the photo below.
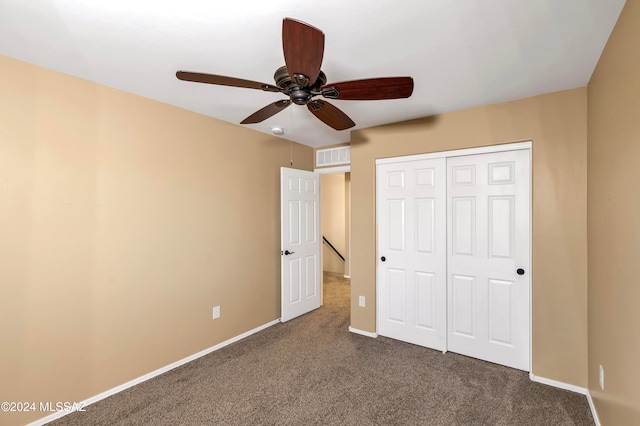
[473,151]
[331,170]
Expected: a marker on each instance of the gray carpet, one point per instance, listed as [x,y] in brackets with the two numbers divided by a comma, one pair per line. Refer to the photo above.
[312,370]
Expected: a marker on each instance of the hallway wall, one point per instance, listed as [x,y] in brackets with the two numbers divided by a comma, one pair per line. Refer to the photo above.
[333,221]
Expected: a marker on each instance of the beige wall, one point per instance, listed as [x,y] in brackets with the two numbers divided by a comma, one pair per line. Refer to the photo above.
[123,221]
[614,224]
[333,221]
[556,123]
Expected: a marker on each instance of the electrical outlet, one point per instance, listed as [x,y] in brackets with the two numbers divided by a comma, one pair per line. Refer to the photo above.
[601,376]
[216,312]
[361,301]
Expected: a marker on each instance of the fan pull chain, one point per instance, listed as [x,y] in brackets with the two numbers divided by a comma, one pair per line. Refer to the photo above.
[290,137]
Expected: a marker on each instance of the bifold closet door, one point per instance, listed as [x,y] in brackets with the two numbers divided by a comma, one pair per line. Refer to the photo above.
[488,257]
[411,211]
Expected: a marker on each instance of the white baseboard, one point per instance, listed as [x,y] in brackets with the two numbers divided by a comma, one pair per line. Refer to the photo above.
[593,409]
[364,333]
[557,384]
[151,375]
[573,388]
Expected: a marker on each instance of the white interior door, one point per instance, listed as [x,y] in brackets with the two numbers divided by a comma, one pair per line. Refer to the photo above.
[488,262]
[411,209]
[300,242]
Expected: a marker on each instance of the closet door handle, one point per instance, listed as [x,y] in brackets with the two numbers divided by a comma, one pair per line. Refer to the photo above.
[383,258]
[520,271]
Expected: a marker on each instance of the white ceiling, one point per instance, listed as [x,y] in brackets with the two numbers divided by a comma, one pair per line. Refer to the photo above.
[461,53]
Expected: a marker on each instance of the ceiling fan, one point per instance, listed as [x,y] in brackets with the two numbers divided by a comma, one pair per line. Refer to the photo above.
[302,80]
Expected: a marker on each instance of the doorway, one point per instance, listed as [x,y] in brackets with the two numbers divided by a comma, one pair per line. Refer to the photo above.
[335,214]
[302,277]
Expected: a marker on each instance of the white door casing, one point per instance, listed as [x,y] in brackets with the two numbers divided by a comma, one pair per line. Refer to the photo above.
[411,202]
[488,236]
[300,242]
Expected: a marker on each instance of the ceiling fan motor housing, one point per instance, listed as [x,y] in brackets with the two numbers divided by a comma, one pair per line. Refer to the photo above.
[300,94]
[282,78]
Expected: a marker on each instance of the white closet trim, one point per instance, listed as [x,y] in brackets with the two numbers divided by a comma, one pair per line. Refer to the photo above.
[458,152]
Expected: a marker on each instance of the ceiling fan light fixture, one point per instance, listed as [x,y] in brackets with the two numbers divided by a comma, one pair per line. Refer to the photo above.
[278,131]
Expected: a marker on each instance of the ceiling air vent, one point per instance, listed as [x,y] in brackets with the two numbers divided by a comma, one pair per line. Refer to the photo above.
[333,156]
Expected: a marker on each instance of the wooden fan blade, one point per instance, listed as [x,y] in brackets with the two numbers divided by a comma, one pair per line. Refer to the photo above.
[370,89]
[330,115]
[224,81]
[266,112]
[303,47]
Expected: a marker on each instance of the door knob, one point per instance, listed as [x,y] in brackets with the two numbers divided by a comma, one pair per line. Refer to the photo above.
[287,252]
[520,271]
[383,258]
